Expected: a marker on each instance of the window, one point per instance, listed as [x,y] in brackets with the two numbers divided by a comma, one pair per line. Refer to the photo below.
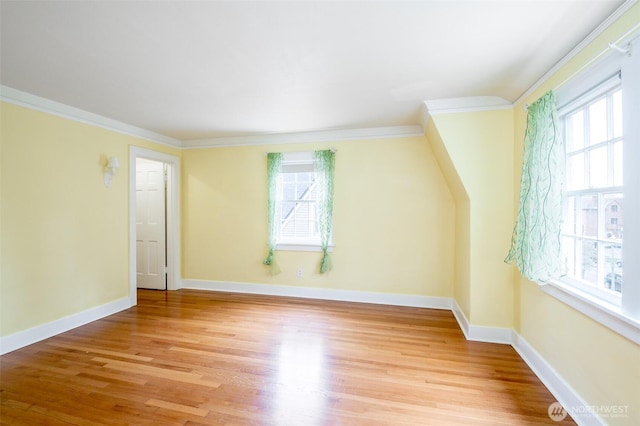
[601,205]
[298,203]
[297,200]
[592,238]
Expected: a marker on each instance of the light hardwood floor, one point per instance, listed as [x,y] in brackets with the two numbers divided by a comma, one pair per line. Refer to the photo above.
[192,357]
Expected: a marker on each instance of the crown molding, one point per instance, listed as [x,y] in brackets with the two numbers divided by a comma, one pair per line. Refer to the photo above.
[468,104]
[17,97]
[584,43]
[458,105]
[304,137]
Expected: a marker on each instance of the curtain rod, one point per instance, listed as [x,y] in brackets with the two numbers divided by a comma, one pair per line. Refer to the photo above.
[614,45]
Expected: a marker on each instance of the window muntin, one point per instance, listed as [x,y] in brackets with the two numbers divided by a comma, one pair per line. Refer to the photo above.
[592,234]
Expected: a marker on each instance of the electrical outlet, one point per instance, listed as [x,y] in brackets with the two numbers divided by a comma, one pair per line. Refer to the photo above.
[299,272]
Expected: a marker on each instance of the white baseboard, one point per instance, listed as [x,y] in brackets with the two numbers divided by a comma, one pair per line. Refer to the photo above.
[35,334]
[561,390]
[481,333]
[322,293]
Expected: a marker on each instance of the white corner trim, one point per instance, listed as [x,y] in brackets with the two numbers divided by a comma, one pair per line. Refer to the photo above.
[44,331]
[16,97]
[305,137]
[608,315]
[469,104]
[481,333]
[461,318]
[559,388]
[409,300]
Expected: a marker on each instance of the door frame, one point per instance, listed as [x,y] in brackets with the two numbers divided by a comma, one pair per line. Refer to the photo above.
[172,219]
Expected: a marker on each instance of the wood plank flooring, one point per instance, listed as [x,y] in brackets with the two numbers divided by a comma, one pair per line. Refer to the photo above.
[204,358]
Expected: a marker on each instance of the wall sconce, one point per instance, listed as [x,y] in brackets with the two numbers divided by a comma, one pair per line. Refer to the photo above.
[110,170]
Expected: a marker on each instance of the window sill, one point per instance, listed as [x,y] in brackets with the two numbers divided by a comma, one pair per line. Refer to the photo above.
[607,314]
[302,247]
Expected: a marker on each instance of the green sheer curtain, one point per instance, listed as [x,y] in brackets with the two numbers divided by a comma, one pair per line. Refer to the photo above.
[535,243]
[324,165]
[274,166]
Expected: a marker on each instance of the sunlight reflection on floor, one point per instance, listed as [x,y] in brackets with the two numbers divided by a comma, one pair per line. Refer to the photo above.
[301,380]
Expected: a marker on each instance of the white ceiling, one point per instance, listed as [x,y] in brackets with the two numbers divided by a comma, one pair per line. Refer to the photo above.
[194,70]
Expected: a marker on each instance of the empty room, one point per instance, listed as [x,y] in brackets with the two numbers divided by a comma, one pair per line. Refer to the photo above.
[320,212]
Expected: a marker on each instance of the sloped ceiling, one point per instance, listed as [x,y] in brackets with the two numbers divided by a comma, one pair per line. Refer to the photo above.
[197,69]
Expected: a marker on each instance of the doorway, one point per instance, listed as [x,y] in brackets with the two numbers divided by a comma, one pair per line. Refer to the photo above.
[154,222]
[151,230]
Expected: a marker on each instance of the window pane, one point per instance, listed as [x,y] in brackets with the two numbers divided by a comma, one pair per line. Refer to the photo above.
[590,261]
[613,281]
[614,216]
[569,225]
[287,209]
[598,167]
[617,164]
[288,190]
[287,228]
[588,216]
[575,131]
[598,122]
[569,245]
[301,190]
[613,267]
[617,114]
[302,221]
[575,174]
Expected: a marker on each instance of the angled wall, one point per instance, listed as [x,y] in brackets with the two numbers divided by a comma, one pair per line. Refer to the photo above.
[475,150]
[462,218]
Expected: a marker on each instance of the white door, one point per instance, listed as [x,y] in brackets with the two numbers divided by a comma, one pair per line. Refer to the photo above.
[150,224]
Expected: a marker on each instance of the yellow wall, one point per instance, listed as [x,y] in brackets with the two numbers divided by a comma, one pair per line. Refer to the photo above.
[479,145]
[426,216]
[602,366]
[393,219]
[462,235]
[64,235]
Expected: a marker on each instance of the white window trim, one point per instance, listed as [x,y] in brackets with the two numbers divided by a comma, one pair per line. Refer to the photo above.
[622,318]
[284,246]
[607,314]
